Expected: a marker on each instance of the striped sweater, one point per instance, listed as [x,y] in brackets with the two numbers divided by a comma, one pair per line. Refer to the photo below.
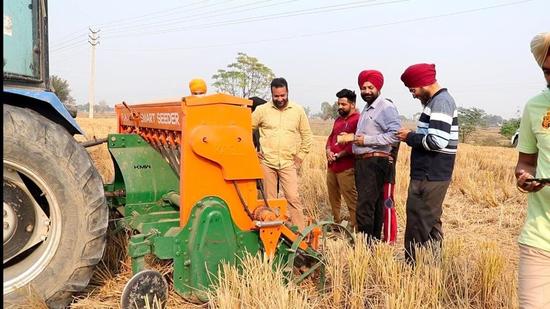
[435,141]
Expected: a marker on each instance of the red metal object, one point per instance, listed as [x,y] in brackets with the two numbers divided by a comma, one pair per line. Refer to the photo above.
[390,217]
[152,121]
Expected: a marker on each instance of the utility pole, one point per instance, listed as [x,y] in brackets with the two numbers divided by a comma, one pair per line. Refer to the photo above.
[93,39]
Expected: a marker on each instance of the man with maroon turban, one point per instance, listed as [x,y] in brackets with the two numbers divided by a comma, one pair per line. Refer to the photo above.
[375,134]
[434,146]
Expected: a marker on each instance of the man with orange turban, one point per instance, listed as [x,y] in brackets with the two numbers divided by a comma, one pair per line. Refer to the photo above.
[533,178]
[433,153]
[197,87]
[372,146]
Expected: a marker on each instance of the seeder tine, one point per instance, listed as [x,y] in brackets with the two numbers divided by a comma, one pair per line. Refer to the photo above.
[169,155]
[175,153]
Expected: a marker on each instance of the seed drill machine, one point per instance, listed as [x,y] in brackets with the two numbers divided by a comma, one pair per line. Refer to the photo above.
[188,180]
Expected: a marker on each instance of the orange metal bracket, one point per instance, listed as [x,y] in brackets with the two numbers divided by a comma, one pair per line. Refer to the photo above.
[288,233]
[270,238]
[230,146]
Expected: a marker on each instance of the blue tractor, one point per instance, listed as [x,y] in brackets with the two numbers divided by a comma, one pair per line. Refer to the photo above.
[55,213]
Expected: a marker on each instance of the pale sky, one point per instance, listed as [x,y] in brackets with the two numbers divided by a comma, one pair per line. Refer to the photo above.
[151,50]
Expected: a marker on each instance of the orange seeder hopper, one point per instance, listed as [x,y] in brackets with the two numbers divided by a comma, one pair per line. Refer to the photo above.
[208,143]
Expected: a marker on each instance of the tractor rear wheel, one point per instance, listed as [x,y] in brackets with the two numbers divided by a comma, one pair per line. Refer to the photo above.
[55,213]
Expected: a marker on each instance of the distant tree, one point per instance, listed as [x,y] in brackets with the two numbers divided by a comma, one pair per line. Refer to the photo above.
[83,107]
[102,108]
[509,127]
[246,77]
[61,88]
[307,109]
[492,120]
[329,111]
[316,115]
[469,119]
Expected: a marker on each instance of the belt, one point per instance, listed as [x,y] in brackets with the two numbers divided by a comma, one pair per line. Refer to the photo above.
[374,154]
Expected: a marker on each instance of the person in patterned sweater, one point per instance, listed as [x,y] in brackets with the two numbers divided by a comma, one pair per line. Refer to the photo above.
[434,145]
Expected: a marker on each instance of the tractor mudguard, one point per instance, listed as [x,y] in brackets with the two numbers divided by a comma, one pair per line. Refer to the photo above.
[45,103]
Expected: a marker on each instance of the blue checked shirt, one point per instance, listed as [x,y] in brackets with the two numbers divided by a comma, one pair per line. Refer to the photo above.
[378,124]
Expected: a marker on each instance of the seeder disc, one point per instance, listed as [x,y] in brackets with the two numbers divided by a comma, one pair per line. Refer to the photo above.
[146,289]
[310,263]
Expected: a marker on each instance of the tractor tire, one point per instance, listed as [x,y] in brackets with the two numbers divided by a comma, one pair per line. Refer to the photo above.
[61,216]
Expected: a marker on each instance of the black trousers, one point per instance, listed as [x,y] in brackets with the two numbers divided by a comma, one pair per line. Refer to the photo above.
[424,209]
[370,176]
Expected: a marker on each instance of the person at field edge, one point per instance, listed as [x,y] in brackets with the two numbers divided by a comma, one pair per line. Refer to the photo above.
[375,134]
[197,87]
[534,161]
[340,169]
[256,101]
[285,140]
[434,146]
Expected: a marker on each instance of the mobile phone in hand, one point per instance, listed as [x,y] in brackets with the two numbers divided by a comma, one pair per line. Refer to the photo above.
[543,181]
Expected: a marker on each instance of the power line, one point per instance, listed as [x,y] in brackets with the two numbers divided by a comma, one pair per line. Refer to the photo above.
[462,12]
[67,51]
[70,39]
[69,46]
[313,34]
[293,13]
[73,42]
[202,16]
[166,12]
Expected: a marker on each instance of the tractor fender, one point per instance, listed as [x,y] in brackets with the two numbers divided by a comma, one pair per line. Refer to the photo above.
[43,102]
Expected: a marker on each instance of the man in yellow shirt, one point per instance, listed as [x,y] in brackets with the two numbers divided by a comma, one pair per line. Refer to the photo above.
[285,139]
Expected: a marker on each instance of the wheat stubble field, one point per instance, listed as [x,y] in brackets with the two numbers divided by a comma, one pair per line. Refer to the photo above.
[483,214]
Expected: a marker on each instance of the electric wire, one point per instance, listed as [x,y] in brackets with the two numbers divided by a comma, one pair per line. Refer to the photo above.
[293,13]
[201,16]
[71,39]
[330,32]
[166,12]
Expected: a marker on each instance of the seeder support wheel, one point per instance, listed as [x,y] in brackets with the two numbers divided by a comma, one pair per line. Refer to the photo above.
[310,262]
[146,289]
